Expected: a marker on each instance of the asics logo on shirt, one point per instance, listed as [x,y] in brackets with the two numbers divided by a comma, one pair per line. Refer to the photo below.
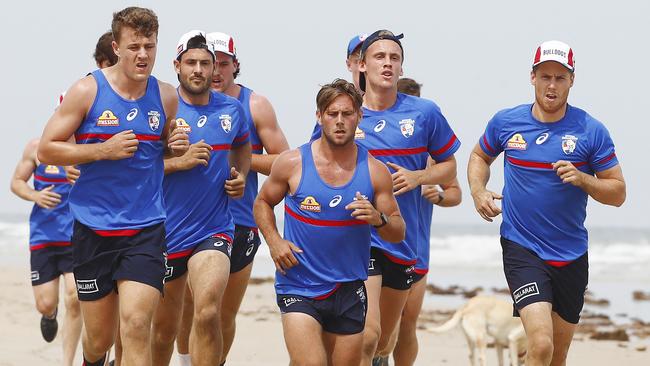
[336,200]
[202,120]
[542,138]
[380,125]
[132,114]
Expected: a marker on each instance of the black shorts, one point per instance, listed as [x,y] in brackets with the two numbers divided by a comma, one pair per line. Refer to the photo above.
[176,263]
[532,280]
[49,263]
[247,241]
[340,312]
[418,275]
[100,261]
[398,276]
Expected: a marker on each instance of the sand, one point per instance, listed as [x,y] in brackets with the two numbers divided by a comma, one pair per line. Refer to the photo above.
[259,338]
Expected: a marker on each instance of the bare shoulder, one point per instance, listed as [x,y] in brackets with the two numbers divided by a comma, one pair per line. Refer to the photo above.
[379,173]
[81,94]
[261,109]
[30,149]
[169,98]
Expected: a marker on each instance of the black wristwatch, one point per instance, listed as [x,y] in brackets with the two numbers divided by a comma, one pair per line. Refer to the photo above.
[384,220]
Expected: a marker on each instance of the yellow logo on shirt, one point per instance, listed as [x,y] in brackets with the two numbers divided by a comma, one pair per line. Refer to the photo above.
[182,125]
[517,142]
[359,134]
[107,118]
[310,204]
[52,169]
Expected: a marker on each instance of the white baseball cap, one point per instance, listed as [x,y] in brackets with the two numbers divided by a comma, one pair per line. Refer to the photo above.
[555,51]
[222,42]
[184,43]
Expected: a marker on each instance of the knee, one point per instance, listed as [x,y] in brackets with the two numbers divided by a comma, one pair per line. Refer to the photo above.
[135,326]
[72,306]
[163,333]
[371,335]
[307,360]
[540,347]
[208,317]
[97,344]
[46,305]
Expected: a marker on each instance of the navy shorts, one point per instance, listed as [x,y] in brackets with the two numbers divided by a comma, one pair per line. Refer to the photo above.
[100,261]
[247,241]
[342,311]
[532,280]
[49,263]
[418,275]
[176,263]
[398,276]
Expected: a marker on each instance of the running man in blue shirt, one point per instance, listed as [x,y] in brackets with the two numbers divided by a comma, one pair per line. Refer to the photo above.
[333,190]
[122,119]
[555,157]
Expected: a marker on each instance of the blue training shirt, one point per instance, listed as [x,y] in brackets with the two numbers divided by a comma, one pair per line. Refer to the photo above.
[50,227]
[539,211]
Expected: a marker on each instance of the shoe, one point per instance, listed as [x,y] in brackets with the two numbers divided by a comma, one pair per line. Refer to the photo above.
[112,363]
[49,327]
[380,361]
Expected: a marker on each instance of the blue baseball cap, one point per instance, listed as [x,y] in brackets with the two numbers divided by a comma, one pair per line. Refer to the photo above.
[355,43]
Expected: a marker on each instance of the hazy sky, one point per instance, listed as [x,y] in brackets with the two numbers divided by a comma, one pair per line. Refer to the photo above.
[473,58]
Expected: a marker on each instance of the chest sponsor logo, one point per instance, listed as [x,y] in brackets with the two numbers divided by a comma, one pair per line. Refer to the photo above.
[359,134]
[288,301]
[527,290]
[154,120]
[363,196]
[226,122]
[182,125]
[407,127]
[517,142]
[52,169]
[336,200]
[87,286]
[569,143]
[35,276]
[107,118]
[542,138]
[310,204]
[380,125]
[132,114]
[202,120]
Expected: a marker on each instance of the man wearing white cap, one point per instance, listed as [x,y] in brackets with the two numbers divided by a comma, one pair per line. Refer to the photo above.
[556,156]
[199,226]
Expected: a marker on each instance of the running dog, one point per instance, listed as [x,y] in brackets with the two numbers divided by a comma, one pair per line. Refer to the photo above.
[483,316]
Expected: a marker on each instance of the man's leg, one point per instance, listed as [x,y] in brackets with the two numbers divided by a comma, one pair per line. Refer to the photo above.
[46,297]
[100,321]
[137,303]
[235,290]
[391,305]
[303,336]
[208,276]
[372,329]
[343,349]
[406,349]
[72,322]
[538,323]
[562,337]
[166,321]
[183,337]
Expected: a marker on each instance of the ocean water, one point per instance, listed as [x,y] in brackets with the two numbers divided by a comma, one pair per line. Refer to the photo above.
[469,256]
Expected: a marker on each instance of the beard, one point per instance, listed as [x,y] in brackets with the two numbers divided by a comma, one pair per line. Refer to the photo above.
[195,89]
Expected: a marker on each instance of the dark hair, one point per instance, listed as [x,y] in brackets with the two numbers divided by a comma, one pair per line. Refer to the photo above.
[143,20]
[336,88]
[104,49]
[408,86]
[236,73]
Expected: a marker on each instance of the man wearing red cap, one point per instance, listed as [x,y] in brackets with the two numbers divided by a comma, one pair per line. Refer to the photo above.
[556,156]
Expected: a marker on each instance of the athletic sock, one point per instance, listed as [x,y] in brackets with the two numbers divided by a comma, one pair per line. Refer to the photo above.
[99,362]
[184,359]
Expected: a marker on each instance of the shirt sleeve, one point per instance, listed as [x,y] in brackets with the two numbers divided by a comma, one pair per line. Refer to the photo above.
[442,141]
[243,133]
[490,142]
[603,154]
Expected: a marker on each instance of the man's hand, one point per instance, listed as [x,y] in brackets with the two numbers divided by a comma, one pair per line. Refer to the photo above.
[72,173]
[122,145]
[404,180]
[282,254]
[431,193]
[45,198]
[484,203]
[363,210]
[236,184]
[178,141]
[568,173]
[198,153]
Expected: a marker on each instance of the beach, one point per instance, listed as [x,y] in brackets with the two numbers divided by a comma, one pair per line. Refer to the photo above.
[259,338]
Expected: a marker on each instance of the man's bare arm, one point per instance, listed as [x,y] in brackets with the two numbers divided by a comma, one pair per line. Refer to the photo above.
[269,132]
[607,187]
[405,180]
[395,230]
[478,174]
[24,170]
